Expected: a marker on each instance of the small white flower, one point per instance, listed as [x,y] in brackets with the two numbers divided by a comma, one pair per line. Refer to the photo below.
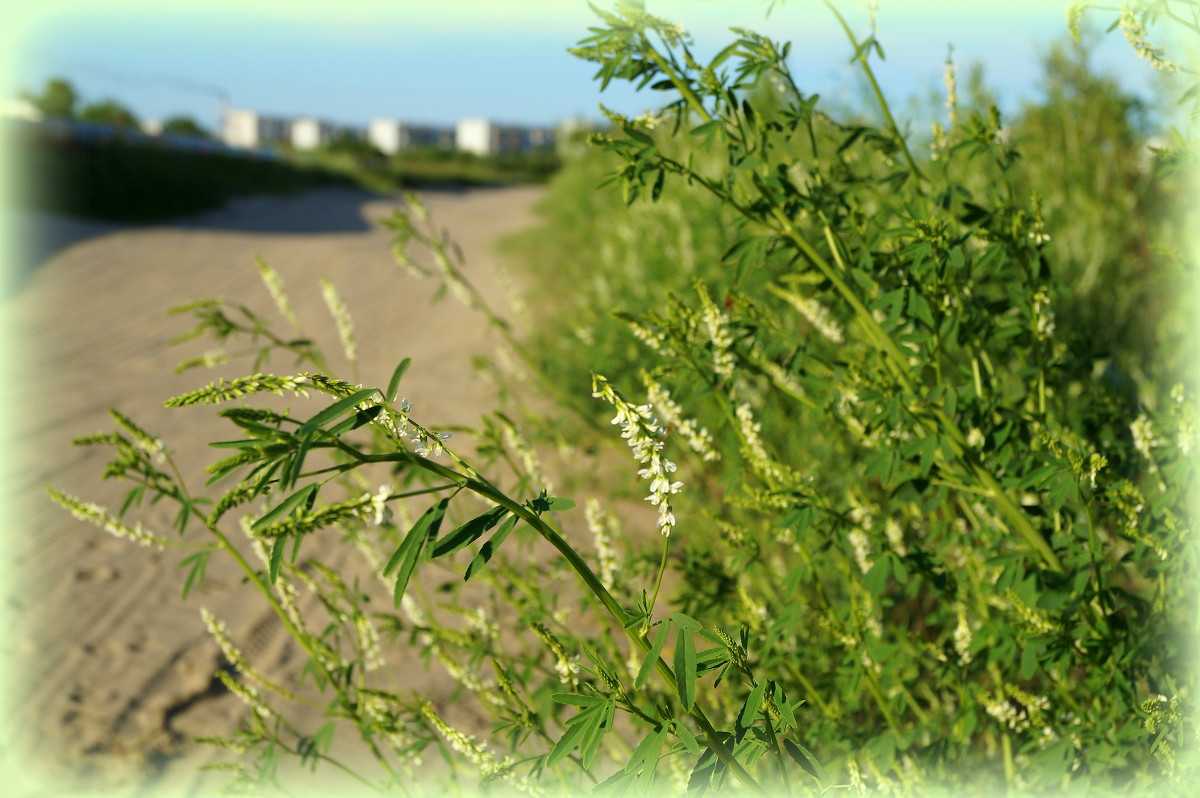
[381,512]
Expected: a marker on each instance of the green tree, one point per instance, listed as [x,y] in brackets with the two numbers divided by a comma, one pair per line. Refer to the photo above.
[109,112]
[185,126]
[57,99]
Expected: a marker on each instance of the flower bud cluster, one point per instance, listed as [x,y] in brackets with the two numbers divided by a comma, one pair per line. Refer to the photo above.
[478,754]
[101,517]
[698,438]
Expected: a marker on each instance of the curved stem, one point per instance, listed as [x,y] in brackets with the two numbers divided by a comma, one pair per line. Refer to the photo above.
[483,488]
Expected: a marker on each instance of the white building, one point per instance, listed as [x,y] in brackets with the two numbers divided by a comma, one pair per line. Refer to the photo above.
[390,136]
[244,128]
[308,133]
[20,108]
[484,137]
[478,136]
[385,136]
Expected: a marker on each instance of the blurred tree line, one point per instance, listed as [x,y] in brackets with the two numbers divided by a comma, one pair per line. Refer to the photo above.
[58,99]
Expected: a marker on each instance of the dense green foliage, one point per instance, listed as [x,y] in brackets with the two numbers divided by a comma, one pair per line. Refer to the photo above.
[183,125]
[109,112]
[949,364]
[135,182]
[428,167]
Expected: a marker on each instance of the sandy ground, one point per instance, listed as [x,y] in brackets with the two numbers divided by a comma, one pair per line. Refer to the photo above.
[110,673]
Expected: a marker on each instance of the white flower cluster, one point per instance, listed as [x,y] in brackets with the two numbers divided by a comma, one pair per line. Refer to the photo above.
[101,517]
[151,445]
[564,665]
[453,279]
[962,639]
[1138,38]
[380,512]
[652,337]
[424,442]
[274,284]
[895,536]
[478,754]
[1019,712]
[645,436]
[812,310]
[1144,436]
[716,323]
[341,318]
[861,547]
[950,78]
[1042,314]
[647,121]
[603,526]
[525,453]
[468,678]
[1095,464]
[368,642]
[697,437]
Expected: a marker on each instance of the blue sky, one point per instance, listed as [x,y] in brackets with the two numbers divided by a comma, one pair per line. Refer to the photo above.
[435,62]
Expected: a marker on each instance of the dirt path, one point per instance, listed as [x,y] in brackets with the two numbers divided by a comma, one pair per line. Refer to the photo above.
[110,672]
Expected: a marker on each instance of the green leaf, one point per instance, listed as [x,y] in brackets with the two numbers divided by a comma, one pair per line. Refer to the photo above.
[660,640]
[785,708]
[469,532]
[404,559]
[807,761]
[196,565]
[566,744]
[250,443]
[291,471]
[278,546]
[577,700]
[685,622]
[686,737]
[585,730]
[597,727]
[615,785]
[355,421]
[336,409]
[753,704]
[558,504]
[638,135]
[286,506]
[919,308]
[656,189]
[685,668]
[490,547]
[394,383]
[875,580]
[647,751]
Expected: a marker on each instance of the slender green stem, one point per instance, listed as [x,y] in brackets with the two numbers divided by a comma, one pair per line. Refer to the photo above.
[680,84]
[662,569]
[883,104]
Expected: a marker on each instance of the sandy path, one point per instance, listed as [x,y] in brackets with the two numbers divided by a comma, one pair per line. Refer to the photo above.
[112,669]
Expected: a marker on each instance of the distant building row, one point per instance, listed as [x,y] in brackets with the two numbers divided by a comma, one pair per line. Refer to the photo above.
[248,129]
